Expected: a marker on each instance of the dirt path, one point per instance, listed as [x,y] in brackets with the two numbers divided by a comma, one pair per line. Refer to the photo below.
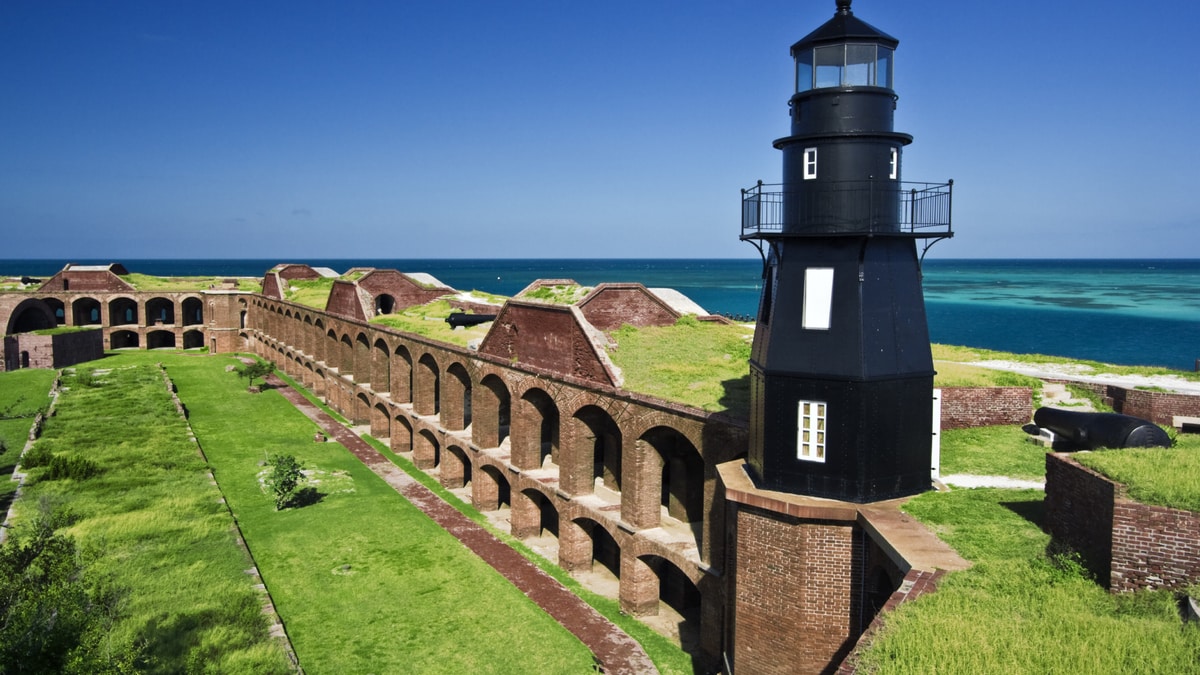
[615,651]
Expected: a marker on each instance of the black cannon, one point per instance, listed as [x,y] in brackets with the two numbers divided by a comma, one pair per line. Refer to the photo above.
[465,320]
[1093,430]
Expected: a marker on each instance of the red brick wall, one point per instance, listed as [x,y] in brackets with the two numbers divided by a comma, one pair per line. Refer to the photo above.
[794,592]
[297,272]
[62,350]
[612,305]
[271,286]
[966,407]
[1129,545]
[546,337]
[74,280]
[1157,406]
[344,301]
[404,290]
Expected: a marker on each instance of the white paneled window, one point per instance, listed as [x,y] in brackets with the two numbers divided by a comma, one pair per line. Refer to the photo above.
[818,298]
[810,163]
[810,431]
[895,165]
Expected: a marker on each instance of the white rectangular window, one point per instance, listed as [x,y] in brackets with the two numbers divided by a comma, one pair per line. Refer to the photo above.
[895,165]
[810,431]
[818,298]
[810,163]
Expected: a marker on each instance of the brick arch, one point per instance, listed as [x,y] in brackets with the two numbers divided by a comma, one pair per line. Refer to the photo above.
[361,413]
[401,440]
[584,542]
[456,469]
[426,450]
[85,311]
[455,399]
[345,354]
[493,412]
[381,421]
[362,358]
[490,489]
[426,385]
[679,478]
[30,314]
[123,311]
[381,366]
[401,367]
[533,512]
[535,429]
[592,450]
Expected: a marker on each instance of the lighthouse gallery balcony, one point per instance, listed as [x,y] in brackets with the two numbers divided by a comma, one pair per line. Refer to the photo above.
[849,208]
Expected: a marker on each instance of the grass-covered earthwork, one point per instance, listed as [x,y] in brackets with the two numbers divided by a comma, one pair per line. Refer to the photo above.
[429,320]
[23,393]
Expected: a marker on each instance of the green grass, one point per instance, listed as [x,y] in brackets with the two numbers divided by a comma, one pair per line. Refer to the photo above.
[60,330]
[145,282]
[428,320]
[364,581]
[952,374]
[969,354]
[697,363]
[558,294]
[150,521]
[22,394]
[992,451]
[1019,610]
[311,292]
[1158,476]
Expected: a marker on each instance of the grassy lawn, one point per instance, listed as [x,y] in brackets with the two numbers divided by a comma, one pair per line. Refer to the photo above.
[145,282]
[1159,476]
[311,292]
[127,484]
[429,320]
[701,364]
[992,451]
[22,394]
[1020,610]
[363,580]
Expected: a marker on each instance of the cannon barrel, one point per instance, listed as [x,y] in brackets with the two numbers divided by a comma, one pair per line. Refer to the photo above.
[1093,430]
[465,320]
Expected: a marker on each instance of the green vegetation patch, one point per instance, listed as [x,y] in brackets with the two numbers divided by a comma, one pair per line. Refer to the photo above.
[1003,450]
[1159,476]
[429,320]
[952,374]
[145,282]
[126,484]
[558,294]
[697,363]
[61,330]
[969,354]
[23,394]
[1019,610]
[311,292]
[364,581]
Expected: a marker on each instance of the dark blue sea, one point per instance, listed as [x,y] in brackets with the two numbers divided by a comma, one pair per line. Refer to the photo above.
[1136,312]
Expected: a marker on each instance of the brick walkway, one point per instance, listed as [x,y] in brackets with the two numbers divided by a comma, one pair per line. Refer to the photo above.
[615,651]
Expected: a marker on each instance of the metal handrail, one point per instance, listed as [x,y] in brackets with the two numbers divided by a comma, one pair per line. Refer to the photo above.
[848,208]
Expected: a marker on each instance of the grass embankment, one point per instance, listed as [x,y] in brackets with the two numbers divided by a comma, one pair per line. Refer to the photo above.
[116,464]
[310,292]
[970,354]
[1160,476]
[558,294]
[697,363]
[145,282]
[23,393]
[429,320]
[1020,609]
[363,580]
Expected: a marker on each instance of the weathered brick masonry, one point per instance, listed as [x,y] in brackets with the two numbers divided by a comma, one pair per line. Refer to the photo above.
[967,407]
[1157,406]
[1126,544]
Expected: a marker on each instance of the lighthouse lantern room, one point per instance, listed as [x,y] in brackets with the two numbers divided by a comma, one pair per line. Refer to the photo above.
[841,370]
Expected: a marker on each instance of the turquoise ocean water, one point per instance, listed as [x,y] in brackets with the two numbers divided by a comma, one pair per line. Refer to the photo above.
[1119,311]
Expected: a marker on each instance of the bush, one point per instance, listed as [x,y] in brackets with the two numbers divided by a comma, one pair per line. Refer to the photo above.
[38,455]
[284,480]
[63,466]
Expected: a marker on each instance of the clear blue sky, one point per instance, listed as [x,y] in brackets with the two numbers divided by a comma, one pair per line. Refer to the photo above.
[405,129]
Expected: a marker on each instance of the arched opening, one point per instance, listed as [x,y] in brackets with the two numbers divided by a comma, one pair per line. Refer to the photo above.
[29,315]
[381,367]
[242,314]
[384,304]
[533,516]
[682,477]
[535,435]
[24,359]
[362,359]
[318,385]
[495,413]
[362,410]
[160,311]
[490,490]
[402,436]
[381,422]
[160,339]
[308,337]
[193,339]
[455,405]
[193,312]
[402,374]
[426,394]
[679,602]
[86,311]
[426,451]
[345,364]
[58,309]
[124,339]
[456,468]
[122,312]
[598,437]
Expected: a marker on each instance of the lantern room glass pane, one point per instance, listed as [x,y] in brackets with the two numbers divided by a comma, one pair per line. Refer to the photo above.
[860,66]
[884,68]
[829,63]
[804,70]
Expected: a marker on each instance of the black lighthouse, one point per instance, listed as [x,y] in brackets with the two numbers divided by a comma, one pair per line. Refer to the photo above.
[841,370]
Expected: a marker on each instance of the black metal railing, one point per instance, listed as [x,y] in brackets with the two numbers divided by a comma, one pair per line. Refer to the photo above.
[848,208]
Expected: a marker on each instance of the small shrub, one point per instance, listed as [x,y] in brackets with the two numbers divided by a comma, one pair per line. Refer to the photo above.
[284,480]
[38,455]
[85,378]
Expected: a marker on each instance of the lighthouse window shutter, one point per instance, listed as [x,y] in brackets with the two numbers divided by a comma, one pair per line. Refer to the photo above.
[810,163]
[818,298]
